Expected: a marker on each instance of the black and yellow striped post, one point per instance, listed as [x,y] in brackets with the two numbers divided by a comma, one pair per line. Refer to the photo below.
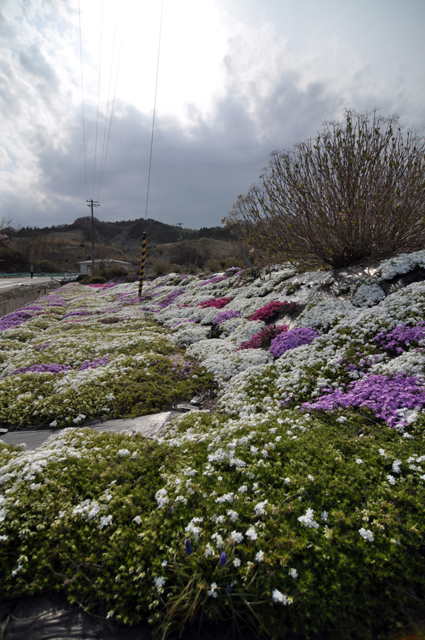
[142,264]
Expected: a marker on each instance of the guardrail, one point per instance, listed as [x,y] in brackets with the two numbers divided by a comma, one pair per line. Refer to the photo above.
[26,274]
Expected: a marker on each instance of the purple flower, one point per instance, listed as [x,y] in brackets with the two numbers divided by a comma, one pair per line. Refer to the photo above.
[223,559]
[41,368]
[226,315]
[80,312]
[399,339]
[182,321]
[97,362]
[42,346]
[212,280]
[228,589]
[170,298]
[15,319]
[292,339]
[384,395]
[188,548]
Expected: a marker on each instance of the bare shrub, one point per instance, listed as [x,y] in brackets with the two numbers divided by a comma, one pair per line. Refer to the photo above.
[161,267]
[355,192]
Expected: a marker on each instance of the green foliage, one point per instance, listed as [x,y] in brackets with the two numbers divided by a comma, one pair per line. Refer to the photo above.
[371,588]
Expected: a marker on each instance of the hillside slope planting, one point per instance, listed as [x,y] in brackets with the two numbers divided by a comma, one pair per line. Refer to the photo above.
[295,506]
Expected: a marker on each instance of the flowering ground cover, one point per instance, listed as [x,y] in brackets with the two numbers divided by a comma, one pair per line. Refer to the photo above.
[296,507]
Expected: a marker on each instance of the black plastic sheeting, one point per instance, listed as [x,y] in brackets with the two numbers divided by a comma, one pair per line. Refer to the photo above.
[51,617]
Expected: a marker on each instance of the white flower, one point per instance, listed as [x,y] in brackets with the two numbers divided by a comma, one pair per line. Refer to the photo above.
[243,489]
[359,461]
[233,515]
[213,590]
[259,508]
[137,519]
[134,456]
[218,540]
[104,521]
[161,498]
[159,582]
[324,515]
[308,519]
[382,452]
[259,556]
[236,536]
[396,466]
[123,452]
[366,535]
[54,423]
[192,528]
[278,596]
[310,477]
[236,562]
[251,533]
[293,573]
[209,551]
[287,481]
[391,479]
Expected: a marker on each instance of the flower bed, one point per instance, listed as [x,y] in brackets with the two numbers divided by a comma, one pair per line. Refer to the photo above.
[297,506]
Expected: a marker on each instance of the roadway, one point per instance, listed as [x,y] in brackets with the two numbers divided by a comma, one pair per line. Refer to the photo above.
[9,283]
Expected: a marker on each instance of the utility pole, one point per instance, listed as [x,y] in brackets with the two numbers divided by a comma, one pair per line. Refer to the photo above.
[93,203]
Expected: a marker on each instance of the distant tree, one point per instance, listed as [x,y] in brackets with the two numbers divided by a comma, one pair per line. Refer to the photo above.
[189,252]
[355,192]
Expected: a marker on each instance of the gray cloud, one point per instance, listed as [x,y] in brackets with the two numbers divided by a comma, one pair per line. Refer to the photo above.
[35,64]
[271,100]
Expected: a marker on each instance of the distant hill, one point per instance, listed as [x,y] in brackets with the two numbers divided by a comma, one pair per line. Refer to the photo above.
[119,233]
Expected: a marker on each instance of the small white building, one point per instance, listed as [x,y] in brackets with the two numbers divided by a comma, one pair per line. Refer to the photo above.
[86,265]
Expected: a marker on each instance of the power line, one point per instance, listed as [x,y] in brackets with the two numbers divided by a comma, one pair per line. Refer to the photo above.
[110,120]
[107,109]
[98,95]
[154,111]
[82,97]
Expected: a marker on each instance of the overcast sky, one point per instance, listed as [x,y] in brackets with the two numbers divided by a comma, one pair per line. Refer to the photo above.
[237,80]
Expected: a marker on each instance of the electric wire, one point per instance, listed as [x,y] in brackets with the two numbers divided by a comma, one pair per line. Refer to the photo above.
[82,98]
[110,121]
[154,112]
[98,97]
[107,110]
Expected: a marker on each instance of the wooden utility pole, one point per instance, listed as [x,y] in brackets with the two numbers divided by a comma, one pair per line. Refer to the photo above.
[93,203]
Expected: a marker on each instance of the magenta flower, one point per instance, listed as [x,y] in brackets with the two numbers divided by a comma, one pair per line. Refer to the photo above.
[217,303]
[273,309]
[262,340]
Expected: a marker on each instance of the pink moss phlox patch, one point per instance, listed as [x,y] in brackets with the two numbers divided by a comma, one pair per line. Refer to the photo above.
[216,303]
[262,340]
[272,309]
